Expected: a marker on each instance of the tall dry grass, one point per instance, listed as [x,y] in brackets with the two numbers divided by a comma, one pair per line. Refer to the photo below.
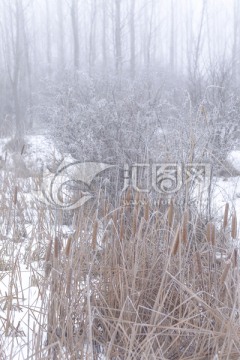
[138,281]
[146,284]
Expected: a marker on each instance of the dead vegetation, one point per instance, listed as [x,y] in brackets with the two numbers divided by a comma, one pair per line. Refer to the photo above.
[139,282]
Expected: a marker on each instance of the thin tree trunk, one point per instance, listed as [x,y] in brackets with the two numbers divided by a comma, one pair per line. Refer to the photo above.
[172,38]
[92,36]
[61,51]
[236,39]
[104,33]
[118,44]
[48,31]
[132,40]
[74,16]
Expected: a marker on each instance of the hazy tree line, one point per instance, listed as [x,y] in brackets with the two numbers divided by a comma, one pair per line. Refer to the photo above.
[59,58]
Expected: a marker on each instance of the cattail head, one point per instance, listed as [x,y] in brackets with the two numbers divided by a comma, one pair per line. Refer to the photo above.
[235,257]
[68,246]
[56,247]
[211,233]
[234,226]
[225,218]
[146,210]
[198,262]
[49,250]
[176,242]
[128,196]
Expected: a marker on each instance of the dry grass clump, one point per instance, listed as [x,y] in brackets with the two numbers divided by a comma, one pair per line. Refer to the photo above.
[135,281]
[143,284]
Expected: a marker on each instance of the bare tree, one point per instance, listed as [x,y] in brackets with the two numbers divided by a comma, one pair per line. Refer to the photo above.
[92,36]
[118,40]
[15,53]
[104,35]
[172,37]
[61,37]
[132,39]
[75,28]
[48,32]
[236,42]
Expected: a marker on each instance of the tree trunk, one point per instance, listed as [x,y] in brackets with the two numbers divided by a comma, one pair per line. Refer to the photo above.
[132,40]
[104,32]
[48,31]
[61,52]
[118,44]
[75,28]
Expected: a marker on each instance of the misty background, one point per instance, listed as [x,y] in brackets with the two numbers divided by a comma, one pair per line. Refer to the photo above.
[108,79]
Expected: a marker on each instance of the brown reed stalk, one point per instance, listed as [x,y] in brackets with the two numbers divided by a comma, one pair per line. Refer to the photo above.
[198,262]
[128,196]
[225,217]
[211,233]
[176,242]
[146,210]
[234,225]
[68,246]
[94,235]
[49,250]
[235,257]
[185,227]
[137,200]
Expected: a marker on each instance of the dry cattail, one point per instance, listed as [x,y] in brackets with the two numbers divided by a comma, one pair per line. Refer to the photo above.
[211,233]
[49,250]
[146,210]
[213,239]
[234,226]
[225,218]
[137,199]
[94,235]
[185,227]
[235,257]
[128,197]
[48,268]
[68,246]
[225,271]
[15,195]
[170,214]
[176,242]
[198,262]
[56,247]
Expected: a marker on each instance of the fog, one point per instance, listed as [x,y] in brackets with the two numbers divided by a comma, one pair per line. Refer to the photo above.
[47,45]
